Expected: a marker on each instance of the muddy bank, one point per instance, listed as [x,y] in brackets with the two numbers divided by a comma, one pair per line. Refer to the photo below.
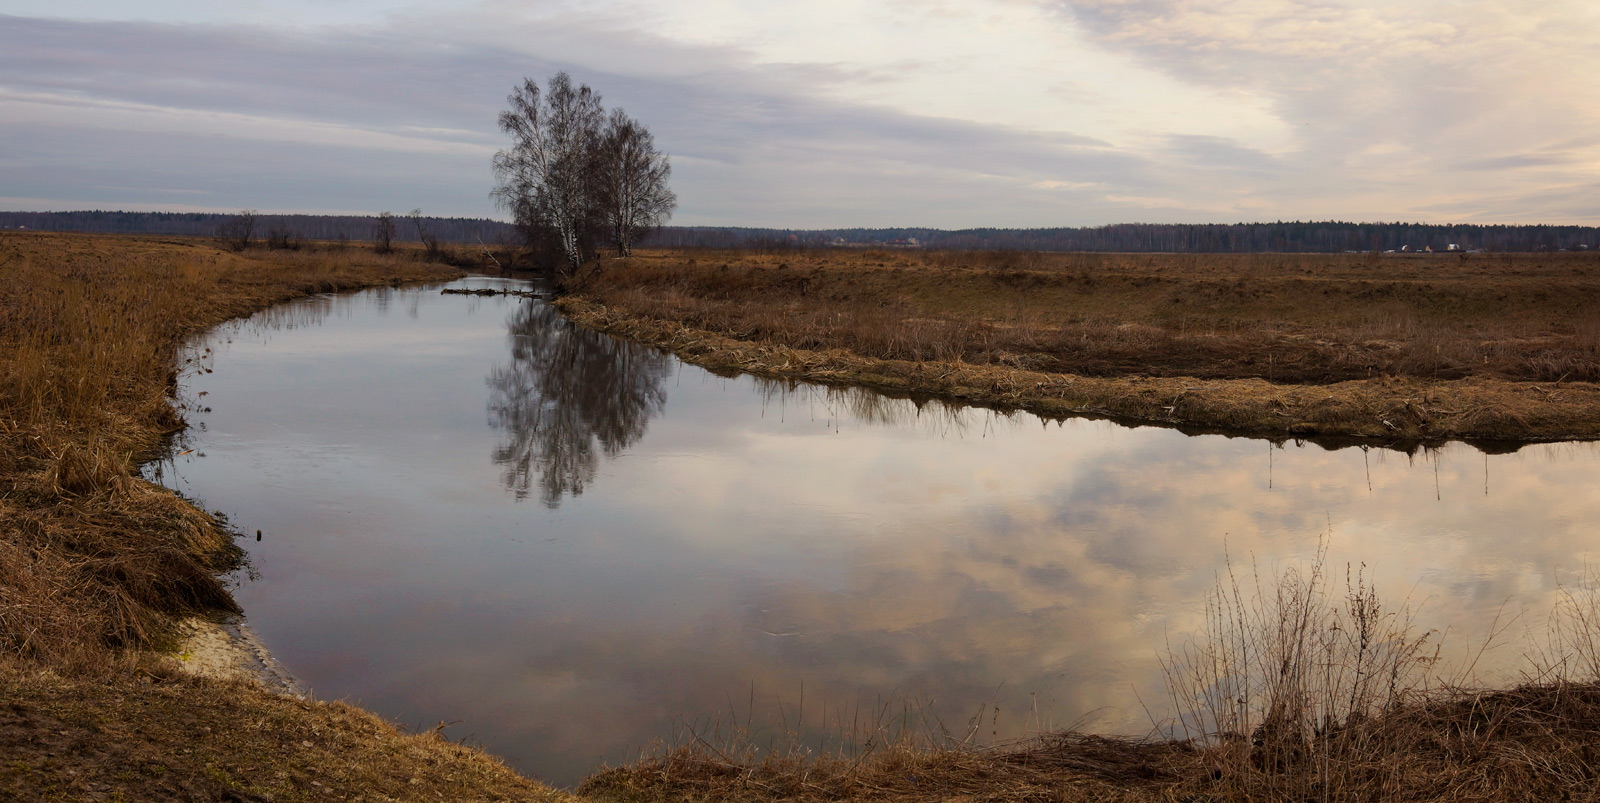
[225,648]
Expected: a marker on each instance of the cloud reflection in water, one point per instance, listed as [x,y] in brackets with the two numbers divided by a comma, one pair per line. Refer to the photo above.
[739,537]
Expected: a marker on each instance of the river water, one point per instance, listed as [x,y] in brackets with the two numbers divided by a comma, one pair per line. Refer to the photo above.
[570,547]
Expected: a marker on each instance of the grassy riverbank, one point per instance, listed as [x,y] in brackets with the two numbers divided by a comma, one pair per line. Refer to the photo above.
[1396,347]
[96,564]
[1520,745]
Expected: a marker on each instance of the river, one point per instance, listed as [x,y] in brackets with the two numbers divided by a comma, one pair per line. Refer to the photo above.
[572,548]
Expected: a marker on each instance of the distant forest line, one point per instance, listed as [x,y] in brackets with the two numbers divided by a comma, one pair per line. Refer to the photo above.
[1294,237]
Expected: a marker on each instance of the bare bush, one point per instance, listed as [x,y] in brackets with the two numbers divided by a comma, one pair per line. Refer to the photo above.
[280,238]
[383,234]
[1287,673]
[235,232]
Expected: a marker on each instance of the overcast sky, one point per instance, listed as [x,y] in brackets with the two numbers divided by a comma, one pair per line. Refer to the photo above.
[824,113]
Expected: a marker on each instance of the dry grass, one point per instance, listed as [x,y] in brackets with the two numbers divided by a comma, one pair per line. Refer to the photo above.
[94,558]
[1492,347]
[161,737]
[1532,743]
[1065,767]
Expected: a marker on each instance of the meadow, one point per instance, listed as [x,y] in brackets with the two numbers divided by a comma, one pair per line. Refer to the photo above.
[1397,346]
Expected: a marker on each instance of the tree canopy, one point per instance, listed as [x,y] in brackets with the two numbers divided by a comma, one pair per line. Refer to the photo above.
[575,177]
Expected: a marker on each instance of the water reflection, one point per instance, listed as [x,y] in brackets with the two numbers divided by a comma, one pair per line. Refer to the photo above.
[568,396]
[847,403]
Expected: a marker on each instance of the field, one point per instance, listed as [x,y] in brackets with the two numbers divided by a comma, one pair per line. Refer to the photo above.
[1390,347]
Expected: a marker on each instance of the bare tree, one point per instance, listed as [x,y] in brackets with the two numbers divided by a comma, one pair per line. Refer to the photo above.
[383,234]
[630,178]
[236,231]
[544,177]
[430,241]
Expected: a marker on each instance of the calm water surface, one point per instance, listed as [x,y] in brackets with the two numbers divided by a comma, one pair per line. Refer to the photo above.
[570,546]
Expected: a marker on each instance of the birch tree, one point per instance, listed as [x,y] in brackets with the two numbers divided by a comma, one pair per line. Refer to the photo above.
[631,182]
[544,177]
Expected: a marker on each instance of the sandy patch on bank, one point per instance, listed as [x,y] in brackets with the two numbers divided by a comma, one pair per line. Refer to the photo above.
[226,648]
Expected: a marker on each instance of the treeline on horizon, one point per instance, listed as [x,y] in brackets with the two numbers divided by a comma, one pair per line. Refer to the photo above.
[356,228]
[1293,237]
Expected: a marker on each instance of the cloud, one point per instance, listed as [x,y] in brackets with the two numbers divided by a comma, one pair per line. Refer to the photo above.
[756,146]
[1413,91]
[983,112]
[1517,162]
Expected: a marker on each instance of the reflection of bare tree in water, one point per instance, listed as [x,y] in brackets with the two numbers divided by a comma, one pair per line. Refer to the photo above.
[566,391]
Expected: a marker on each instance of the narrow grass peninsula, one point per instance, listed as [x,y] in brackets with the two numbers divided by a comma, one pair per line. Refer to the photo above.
[1380,347]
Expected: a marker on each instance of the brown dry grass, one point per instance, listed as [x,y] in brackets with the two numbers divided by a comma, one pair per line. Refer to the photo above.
[1532,743]
[1400,347]
[94,560]
[168,737]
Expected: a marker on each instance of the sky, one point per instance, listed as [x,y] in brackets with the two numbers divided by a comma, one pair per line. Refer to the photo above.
[824,113]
